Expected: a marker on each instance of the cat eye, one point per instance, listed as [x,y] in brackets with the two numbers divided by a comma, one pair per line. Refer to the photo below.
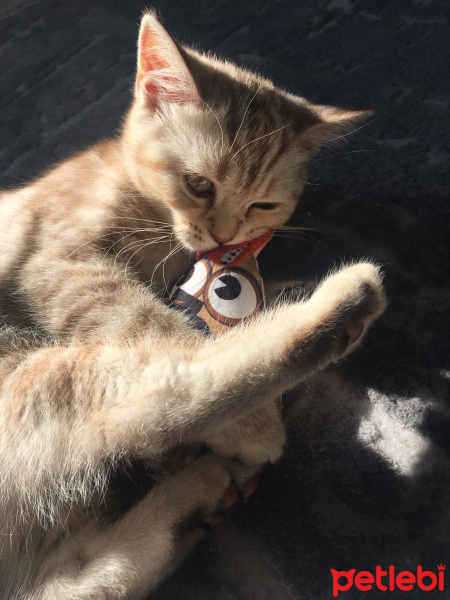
[264,205]
[199,186]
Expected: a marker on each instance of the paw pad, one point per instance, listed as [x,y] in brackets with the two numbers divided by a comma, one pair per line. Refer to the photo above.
[354,329]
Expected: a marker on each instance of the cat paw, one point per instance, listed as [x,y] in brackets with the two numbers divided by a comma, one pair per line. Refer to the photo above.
[266,450]
[353,298]
[255,439]
[232,498]
[251,452]
[223,484]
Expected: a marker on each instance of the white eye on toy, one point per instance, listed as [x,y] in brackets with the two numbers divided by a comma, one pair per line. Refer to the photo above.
[193,282]
[232,294]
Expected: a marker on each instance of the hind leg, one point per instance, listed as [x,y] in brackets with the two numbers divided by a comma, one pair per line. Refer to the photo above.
[129,558]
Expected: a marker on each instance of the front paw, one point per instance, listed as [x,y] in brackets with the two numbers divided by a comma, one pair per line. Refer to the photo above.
[255,439]
[215,486]
[353,298]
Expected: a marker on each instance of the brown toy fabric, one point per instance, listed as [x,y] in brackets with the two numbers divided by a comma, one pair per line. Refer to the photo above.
[223,288]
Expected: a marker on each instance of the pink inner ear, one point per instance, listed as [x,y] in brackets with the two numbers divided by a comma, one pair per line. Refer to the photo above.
[151,58]
[172,88]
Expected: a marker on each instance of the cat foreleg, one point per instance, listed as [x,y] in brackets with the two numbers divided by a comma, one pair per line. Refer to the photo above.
[100,302]
[196,392]
[260,436]
[255,363]
[103,400]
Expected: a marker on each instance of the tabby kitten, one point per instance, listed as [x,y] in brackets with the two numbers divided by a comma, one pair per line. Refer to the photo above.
[209,154]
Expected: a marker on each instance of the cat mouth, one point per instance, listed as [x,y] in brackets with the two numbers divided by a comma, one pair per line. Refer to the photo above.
[197,246]
[193,242]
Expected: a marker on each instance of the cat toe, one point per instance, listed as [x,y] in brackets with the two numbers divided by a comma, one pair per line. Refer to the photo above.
[366,301]
[231,499]
[250,487]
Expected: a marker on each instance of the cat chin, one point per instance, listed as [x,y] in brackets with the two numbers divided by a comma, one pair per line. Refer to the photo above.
[194,246]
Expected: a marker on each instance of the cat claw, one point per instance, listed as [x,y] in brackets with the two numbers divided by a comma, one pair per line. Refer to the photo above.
[250,487]
[230,499]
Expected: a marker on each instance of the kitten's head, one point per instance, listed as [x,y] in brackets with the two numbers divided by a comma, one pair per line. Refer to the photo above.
[223,149]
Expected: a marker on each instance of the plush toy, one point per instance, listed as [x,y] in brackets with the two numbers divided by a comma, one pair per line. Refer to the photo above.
[223,288]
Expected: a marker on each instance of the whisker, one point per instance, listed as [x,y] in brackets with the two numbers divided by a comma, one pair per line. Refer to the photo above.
[295,228]
[123,249]
[130,218]
[154,270]
[309,182]
[353,131]
[341,154]
[218,122]
[123,228]
[243,118]
[316,244]
[146,243]
[88,242]
[143,245]
[172,252]
[129,230]
[300,230]
[311,242]
[149,221]
[139,245]
[257,139]
[136,231]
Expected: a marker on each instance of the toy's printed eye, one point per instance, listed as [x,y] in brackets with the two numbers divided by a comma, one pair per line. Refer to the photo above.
[264,205]
[193,281]
[199,186]
[231,296]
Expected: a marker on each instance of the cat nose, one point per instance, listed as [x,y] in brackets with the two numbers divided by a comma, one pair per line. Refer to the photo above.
[223,227]
[221,239]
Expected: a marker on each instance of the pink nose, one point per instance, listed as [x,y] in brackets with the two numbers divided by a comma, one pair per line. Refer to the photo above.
[221,239]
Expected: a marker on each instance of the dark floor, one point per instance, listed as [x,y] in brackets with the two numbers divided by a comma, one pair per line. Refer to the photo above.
[365,478]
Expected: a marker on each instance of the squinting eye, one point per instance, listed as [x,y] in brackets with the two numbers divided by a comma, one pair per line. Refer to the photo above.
[199,185]
[264,205]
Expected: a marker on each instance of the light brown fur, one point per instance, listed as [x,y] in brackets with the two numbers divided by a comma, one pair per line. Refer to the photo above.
[85,253]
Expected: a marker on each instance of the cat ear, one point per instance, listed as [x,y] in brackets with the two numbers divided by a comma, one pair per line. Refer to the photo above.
[162,75]
[333,124]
